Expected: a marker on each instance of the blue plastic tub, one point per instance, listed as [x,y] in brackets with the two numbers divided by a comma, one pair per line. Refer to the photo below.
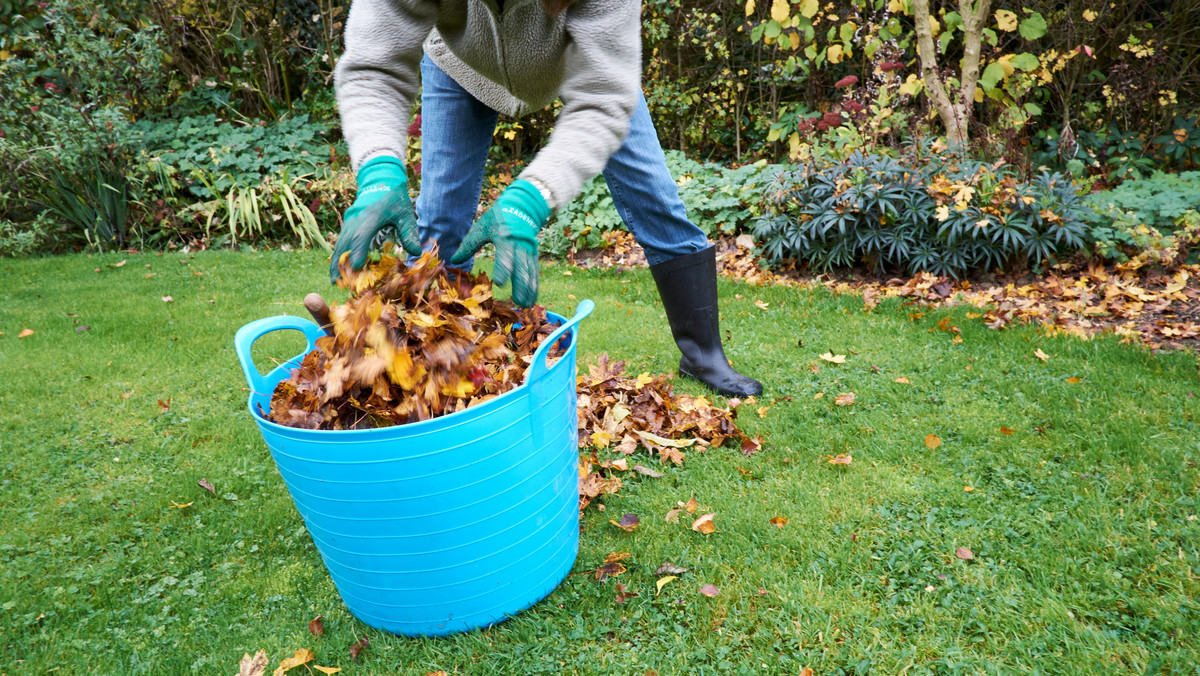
[445,525]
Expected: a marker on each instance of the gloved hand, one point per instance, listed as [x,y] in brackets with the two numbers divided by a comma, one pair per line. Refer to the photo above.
[512,225]
[382,200]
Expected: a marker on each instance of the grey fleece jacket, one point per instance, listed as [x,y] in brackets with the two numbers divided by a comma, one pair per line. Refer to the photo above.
[516,61]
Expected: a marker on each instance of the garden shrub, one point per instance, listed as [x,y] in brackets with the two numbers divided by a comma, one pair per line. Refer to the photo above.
[927,210]
[720,200]
[1155,201]
[1151,220]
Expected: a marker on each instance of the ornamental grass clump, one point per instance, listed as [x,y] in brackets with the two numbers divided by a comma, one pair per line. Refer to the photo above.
[413,342]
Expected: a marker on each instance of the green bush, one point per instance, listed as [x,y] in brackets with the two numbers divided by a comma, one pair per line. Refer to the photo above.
[1155,201]
[24,239]
[720,200]
[924,211]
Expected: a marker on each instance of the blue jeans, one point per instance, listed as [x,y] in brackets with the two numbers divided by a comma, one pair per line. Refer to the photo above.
[456,132]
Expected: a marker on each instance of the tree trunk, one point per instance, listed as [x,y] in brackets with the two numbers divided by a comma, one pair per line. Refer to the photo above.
[954,108]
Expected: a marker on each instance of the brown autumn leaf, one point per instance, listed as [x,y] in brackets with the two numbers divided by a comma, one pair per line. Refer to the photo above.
[840,459]
[82,328]
[691,505]
[932,441]
[844,399]
[1041,355]
[710,590]
[673,514]
[612,566]
[704,525]
[439,672]
[903,381]
[118,265]
[834,358]
[751,446]
[964,554]
[1074,380]
[623,593]
[164,405]
[1005,430]
[253,666]
[806,671]
[204,483]
[25,333]
[818,395]
[302,656]
[358,647]
[968,489]
[628,522]
[316,626]
[779,521]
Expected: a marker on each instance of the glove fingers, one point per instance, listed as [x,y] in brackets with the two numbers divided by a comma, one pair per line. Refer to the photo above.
[477,236]
[525,279]
[503,270]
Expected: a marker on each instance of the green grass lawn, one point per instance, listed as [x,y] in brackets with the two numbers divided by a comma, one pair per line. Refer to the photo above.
[1083,521]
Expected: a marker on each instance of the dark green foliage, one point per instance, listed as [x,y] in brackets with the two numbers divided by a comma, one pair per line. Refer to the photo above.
[1155,201]
[935,212]
[95,204]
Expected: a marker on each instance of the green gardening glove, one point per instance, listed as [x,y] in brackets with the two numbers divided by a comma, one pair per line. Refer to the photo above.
[382,201]
[512,225]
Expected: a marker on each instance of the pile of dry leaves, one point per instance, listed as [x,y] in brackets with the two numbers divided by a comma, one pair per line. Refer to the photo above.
[411,343]
[623,413]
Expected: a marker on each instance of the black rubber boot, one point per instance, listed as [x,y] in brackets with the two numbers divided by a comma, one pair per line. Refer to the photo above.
[688,286]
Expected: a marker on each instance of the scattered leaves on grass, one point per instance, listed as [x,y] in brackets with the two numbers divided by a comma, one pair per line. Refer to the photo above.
[840,459]
[779,521]
[628,522]
[704,525]
[1074,380]
[1040,355]
[612,566]
[164,405]
[25,333]
[358,647]
[964,554]
[204,483]
[710,590]
[662,582]
[932,441]
[253,666]
[316,626]
[844,399]
[411,343]
[302,656]
[623,593]
[669,568]
[1005,430]
[691,505]
[834,358]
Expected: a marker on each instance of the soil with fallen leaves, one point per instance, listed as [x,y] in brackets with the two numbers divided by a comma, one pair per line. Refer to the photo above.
[624,413]
[412,342]
[1144,303]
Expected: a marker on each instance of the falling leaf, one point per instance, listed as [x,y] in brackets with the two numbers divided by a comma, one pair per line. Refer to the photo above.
[628,523]
[704,525]
[662,582]
[779,521]
[691,505]
[834,358]
[640,469]
[1074,380]
[903,381]
[840,459]
[165,405]
[327,670]
[964,554]
[761,305]
[669,568]
[176,505]
[168,299]
[710,590]
[203,483]
[932,441]
[302,656]
[968,489]
[1005,430]
[359,646]
[25,333]
[1040,355]
[253,666]
[316,626]
[844,399]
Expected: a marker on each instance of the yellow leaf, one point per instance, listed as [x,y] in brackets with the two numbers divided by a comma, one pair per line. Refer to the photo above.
[979,95]
[5,55]
[302,656]
[903,380]
[1006,20]
[942,212]
[176,505]
[1041,355]
[749,7]
[779,521]
[794,39]
[662,582]
[818,395]
[834,53]
[1005,63]
[704,524]
[968,489]
[663,441]
[932,441]
[643,380]
[25,333]
[934,26]
[809,8]
[327,670]
[834,358]
[1089,15]
[762,411]
[761,305]
[601,439]
[897,6]
[844,399]
[840,459]
[780,10]
[1074,380]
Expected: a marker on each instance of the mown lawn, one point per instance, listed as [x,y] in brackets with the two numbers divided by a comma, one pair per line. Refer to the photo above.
[1082,522]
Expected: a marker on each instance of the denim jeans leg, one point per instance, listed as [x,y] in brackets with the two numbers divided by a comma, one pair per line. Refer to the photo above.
[456,132]
[646,196]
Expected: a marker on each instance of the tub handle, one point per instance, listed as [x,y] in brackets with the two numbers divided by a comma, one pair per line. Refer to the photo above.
[248,334]
[539,368]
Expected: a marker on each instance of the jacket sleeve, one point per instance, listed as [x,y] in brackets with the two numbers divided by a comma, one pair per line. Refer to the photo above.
[602,86]
[377,78]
